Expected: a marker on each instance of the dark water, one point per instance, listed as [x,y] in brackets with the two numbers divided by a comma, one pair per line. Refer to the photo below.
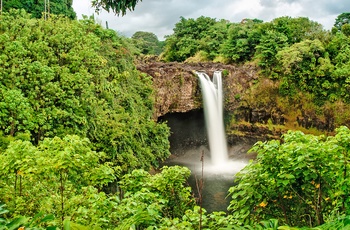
[189,143]
[216,181]
[187,130]
[215,191]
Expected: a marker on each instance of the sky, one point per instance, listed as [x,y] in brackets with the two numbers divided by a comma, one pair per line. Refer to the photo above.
[160,16]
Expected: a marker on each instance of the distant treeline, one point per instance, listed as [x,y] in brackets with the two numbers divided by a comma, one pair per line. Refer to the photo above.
[296,51]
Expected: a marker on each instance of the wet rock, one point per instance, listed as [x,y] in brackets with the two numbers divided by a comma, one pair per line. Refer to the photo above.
[248,99]
[177,87]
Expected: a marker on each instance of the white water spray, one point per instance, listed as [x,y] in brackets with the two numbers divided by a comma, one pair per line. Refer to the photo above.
[213,111]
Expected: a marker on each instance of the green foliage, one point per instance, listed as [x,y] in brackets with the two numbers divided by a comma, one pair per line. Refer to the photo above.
[15,111]
[307,66]
[241,40]
[238,42]
[24,222]
[75,115]
[302,181]
[268,47]
[186,40]
[37,8]
[212,40]
[342,20]
[225,72]
[297,29]
[55,177]
[345,29]
[339,50]
[340,223]
[116,6]
[147,43]
[64,77]
[148,199]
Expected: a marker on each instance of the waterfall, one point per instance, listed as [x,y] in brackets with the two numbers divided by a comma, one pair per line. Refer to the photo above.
[213,112]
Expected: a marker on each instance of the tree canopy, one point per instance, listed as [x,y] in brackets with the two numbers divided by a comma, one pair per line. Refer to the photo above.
[185,42]
[342,20]
[147,42]
[38,8]
[63,76]
[116,6]
[301,180]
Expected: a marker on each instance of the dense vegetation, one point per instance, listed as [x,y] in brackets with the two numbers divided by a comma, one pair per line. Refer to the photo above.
[37,8]
[60,78]
[302,180]
[40,8]
[116,6]
[147,43]
[308,65]
[78,137]
[63,77]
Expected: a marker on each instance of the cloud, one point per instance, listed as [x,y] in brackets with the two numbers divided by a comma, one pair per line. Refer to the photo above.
[160,16]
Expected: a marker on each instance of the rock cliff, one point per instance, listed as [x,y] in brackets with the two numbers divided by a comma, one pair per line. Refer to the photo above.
[253,105]
[177,90]
[177,86]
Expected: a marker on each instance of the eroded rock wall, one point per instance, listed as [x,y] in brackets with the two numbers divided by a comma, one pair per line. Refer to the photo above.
[254,104]
[177,85]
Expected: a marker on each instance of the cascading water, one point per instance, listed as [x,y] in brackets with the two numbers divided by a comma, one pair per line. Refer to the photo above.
[224,164]
[213,111]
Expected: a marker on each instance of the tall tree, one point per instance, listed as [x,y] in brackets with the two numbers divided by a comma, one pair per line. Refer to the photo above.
[37,7]
[300,180]
[307,67]
[147,42]
[62,77]
[297,29]
[270,44]
[185,42]
[116,6]
[341,20]
[241,40]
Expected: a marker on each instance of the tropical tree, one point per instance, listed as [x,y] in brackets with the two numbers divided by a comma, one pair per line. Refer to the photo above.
[56,177]
[16,112]
[339,50]
[301,180]
[342,20]
[297,29]
[37,8]
[241,40]
[269,45]
[65,177]
[306,66]
[116,6]
[185,41]
[147,42]
[63,77]
[211,42]
[148,200]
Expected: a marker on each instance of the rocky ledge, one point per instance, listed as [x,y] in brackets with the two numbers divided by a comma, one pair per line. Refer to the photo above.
[177,86]
[253,104]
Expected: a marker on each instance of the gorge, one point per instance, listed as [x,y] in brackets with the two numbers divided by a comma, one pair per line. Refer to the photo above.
[252,111]
[253,108]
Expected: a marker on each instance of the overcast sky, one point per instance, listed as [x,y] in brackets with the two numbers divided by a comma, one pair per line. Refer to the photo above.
[160,16]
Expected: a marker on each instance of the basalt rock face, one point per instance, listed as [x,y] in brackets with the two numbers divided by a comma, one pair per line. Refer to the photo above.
[177,86]
[177,90]
[253,104]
